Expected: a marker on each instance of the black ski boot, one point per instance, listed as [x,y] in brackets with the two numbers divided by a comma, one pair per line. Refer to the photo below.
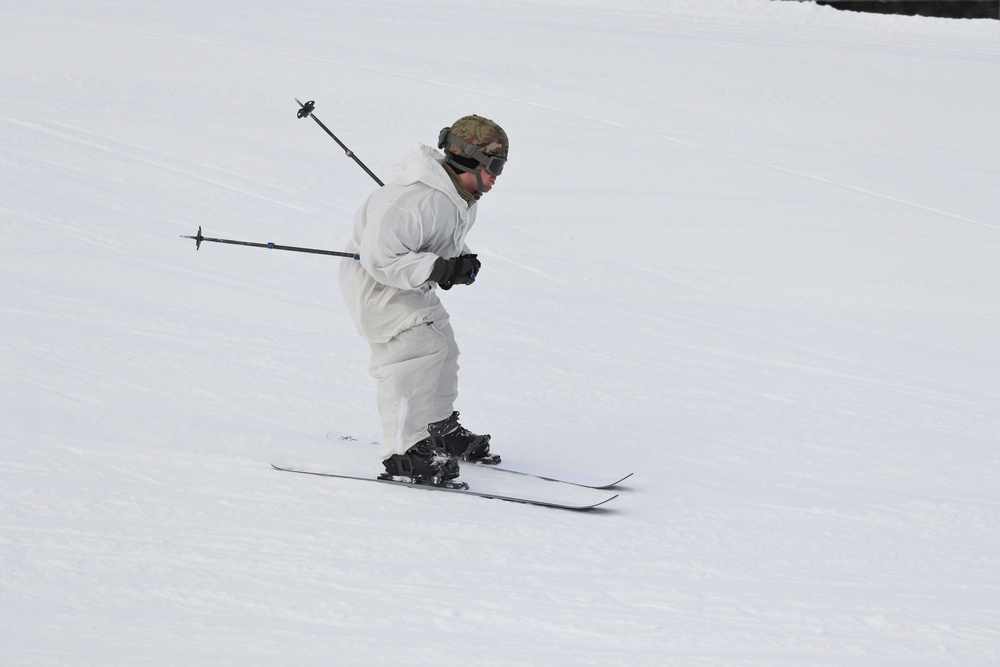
[460,443]
[423,463]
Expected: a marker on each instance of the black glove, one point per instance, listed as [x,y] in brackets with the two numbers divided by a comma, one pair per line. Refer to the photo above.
[461,270]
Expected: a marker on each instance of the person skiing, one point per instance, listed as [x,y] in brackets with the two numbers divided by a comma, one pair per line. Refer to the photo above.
[410,238]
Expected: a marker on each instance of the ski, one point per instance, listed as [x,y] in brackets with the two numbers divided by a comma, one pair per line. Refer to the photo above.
[456,489]
[565,478]
[587,481]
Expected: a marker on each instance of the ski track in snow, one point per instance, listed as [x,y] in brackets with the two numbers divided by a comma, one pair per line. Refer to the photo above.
[131,154]
[725,255]
[527,103]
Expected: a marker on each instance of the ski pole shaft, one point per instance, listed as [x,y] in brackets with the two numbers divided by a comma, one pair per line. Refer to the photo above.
[270,246]
[306,110]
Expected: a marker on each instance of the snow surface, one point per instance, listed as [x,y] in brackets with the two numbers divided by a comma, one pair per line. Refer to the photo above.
[748,249]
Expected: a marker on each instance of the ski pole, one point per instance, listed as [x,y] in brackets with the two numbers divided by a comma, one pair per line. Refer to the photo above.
[271,246]
[306,111]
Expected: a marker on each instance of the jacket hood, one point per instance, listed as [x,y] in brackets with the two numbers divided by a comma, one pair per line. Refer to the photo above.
[423,164]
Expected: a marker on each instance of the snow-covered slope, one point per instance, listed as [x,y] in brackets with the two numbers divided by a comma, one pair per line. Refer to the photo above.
[748,249]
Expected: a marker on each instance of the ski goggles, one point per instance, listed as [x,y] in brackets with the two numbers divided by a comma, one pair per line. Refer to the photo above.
[493,164]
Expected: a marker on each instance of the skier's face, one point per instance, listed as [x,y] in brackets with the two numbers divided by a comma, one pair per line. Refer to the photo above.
[471,184]
[489,180]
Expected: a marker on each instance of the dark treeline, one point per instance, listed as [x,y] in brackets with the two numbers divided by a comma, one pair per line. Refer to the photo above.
[956,9]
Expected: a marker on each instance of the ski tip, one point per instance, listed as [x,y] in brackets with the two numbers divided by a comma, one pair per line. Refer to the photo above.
[599,505]
[608,486]
[606,500]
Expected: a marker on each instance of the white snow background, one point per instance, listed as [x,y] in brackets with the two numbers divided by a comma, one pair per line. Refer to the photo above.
[749,250]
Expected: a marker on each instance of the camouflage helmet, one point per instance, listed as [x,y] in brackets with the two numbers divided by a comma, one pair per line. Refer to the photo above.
[482,133]
[474,141]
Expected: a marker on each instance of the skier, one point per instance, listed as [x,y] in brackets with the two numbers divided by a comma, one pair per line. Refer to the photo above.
[410,238]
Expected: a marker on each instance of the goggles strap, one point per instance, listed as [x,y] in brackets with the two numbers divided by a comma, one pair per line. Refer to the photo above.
[468,150]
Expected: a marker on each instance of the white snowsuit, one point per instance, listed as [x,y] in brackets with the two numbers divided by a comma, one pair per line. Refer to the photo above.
[399,232]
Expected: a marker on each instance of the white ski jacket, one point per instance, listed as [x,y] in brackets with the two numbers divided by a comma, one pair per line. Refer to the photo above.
[399,232]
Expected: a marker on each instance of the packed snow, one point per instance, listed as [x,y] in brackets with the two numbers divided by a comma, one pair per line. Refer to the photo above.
[748,250]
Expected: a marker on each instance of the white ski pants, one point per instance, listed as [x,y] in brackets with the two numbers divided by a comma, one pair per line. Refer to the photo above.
[417,374]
